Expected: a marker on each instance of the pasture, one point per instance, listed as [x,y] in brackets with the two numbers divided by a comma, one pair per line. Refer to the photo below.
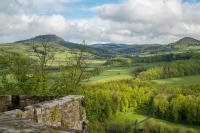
[112,74]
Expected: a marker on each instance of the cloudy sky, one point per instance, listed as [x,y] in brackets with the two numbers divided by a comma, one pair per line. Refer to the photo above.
[119,21]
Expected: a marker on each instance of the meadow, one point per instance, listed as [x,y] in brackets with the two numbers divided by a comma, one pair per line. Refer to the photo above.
[112,74]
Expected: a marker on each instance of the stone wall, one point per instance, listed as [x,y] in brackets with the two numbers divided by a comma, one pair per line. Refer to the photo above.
[65,112]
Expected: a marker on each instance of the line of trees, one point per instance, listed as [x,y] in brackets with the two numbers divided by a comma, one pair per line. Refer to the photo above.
[166,57]
[172,69]
[120,61]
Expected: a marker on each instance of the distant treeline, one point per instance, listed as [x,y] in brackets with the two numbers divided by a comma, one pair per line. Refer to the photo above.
[120,61]
[172,69]
[166,57]
[128,60]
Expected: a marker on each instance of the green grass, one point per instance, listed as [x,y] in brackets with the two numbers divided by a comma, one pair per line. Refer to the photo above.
[118,73]
[112,73]
[121,118]
[60,52]
[96,62]
[186,80]
[130,116]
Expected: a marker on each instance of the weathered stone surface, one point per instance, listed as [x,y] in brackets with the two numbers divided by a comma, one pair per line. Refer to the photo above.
[11,122]
[66,112]
[62,113]
[31,100]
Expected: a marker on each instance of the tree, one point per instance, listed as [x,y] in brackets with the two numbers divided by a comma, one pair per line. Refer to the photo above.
[74,71]
[44,53]
[161,106]
[16,72]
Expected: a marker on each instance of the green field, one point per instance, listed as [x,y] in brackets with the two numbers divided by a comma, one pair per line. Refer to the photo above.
[118,73]
[130,116]
[111,74]
[187,80]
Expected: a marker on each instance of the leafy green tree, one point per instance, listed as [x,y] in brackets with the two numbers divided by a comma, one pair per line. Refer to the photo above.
[43,50]
[161,106]
[17,73]
[73,72]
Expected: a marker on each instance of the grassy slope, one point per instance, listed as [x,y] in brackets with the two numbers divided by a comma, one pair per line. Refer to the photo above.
[118,73]
[113,73]
[121,118]
[187,80]
[60,52]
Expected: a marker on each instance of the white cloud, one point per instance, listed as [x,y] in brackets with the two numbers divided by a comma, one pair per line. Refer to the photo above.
[9,6]
[131,21]
[35,6]
[23,26]
[143,11]
[149,19]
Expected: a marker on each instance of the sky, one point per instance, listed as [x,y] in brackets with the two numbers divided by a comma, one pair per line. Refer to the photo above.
[101,21]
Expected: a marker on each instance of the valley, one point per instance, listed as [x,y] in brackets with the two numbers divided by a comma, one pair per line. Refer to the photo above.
[100,66]
[122,83]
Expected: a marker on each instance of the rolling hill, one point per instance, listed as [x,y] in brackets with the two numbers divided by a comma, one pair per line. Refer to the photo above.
[60,45]
[135,49]
[110,49]
[186,42]
[50,39]
[69,45]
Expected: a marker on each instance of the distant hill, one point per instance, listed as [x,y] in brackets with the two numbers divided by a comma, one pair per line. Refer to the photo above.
[110,49]
[136,49]
[48,38]
[186,42]
[132,49]
[110,46]
[58,42]
[53,39]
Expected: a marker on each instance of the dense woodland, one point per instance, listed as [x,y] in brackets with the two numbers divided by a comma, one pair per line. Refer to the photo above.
[166,57]
[180,105]
[128,60]
[172,69]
